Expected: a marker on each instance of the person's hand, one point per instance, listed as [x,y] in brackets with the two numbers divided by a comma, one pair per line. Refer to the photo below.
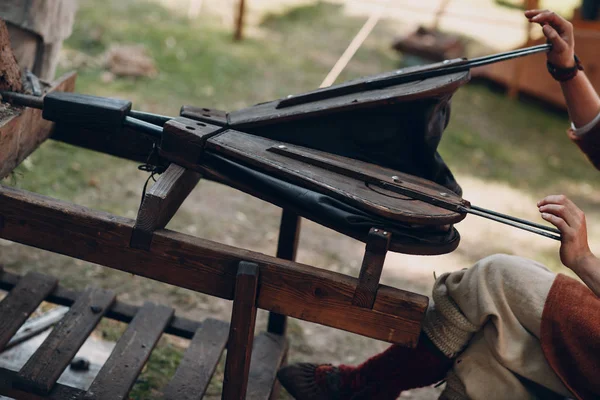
[570,221]
[559,32]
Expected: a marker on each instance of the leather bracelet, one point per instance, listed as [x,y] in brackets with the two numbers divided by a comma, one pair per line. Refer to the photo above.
[564,74]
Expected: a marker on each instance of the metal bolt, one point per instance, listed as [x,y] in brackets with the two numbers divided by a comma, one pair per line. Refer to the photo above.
[385,233]
[444,194]
[395,178]
[96,309]
[290,96]
[446,62]
[375,230]
[282,147]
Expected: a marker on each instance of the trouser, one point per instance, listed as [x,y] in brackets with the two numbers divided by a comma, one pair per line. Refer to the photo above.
[489,318]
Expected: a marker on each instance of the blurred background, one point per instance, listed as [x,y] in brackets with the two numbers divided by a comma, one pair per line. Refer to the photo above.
[506,140]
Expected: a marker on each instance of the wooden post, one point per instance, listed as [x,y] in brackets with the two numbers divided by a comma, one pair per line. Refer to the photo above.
[161,203]
[287,246]
[10,73]
[372,266]
[241,332]
[239,20]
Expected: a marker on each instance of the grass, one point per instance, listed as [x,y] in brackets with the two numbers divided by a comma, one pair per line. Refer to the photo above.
[491,137]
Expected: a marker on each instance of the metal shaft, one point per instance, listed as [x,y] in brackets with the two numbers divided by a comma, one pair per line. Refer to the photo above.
[393,79]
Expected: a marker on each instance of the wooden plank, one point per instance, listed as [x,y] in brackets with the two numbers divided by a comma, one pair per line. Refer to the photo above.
[367,192]
[20,302]
[118,374]
[372,266]
[287,246]
[241,332]
[161,203]
[212,116]
[287,287]
[42,370]
[9,389]
[25,129]
[268,354]
[199,362]
[118,311]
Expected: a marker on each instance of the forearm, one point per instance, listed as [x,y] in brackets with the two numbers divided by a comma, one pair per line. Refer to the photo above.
[589,272]
[582,100]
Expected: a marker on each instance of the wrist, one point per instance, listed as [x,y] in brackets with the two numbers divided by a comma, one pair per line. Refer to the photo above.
[564,71]
[586,263]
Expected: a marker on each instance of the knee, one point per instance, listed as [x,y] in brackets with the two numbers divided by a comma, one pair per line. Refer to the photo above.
[505,265]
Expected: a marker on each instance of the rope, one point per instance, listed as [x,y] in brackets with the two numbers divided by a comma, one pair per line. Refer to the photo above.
[353,46]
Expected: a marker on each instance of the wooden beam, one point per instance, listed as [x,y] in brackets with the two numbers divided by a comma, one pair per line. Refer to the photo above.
[372,266]
[268,354]
[24,129]
[161,203]
[241,332]
[286,287]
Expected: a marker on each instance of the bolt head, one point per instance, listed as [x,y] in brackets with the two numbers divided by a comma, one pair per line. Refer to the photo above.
[444,194]
[282,147]
[395,178]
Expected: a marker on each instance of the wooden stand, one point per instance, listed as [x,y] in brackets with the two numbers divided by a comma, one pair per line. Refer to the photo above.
[251,280]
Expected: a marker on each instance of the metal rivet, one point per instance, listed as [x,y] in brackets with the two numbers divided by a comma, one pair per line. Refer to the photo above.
[290,96]
[282,147]
[446,62]
[395,178]
[96,309]
[444,194]
[385,233]
[375,230]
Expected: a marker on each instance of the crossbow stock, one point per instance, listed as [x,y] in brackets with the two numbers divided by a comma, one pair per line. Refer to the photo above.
[352,156]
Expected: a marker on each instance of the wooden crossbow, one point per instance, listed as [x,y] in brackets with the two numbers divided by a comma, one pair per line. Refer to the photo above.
[362,153]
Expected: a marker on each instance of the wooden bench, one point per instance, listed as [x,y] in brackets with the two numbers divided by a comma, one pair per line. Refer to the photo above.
[208,339]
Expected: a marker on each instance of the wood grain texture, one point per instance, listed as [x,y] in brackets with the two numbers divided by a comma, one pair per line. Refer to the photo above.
[183,140]
[287,287]
[21,301]
[8,388]
[42,370]
[199,362]
[118,374]
[436,242]
[10,73]
[25,129]
[119,311]
[268,354]
[203,114]
[241,332]
[161,202]
[254,150]
[372,266]
[268,113]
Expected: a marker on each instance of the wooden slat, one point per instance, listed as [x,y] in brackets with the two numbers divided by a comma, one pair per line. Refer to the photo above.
[118,374]
[161,203]
[118,311]
[199,362]
[45,366]
[241,332]
[9,388]
[268,354]
[287,287]
[287,246]
[25,130]
[372,266]
[18,305]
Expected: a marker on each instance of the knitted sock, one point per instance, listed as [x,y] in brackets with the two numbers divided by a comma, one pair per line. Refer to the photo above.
[383,376]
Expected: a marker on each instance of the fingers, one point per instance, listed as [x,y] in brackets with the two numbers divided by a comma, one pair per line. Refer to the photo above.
[560,24]
[562,212]
[558,43]
[554,199]
[532,13]
[558,222]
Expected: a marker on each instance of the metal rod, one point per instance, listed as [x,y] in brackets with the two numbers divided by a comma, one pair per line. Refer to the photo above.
[143,127]
[519,220]
[397,79]
[513,224]
[20,99]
